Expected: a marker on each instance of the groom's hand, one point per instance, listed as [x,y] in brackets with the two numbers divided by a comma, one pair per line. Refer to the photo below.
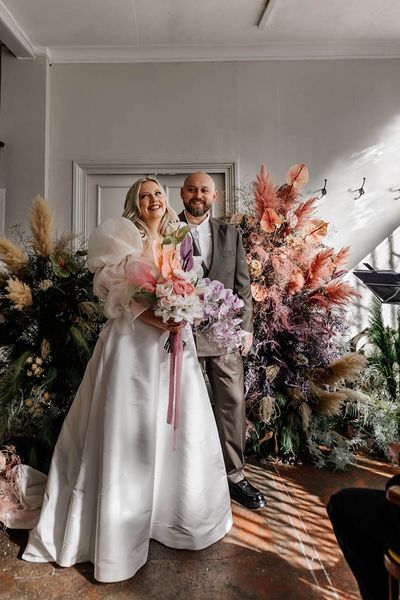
[247,342]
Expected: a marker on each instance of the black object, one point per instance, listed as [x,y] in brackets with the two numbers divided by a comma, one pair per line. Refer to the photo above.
[365,525]
[385,285]
[246,494]
[360,190]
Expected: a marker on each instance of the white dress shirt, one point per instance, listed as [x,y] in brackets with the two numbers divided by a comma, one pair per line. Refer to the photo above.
[202,237]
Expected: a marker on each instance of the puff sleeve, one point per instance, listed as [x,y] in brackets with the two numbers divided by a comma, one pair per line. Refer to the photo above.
[113,244]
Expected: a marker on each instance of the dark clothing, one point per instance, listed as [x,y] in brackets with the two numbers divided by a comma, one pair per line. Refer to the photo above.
[366,525]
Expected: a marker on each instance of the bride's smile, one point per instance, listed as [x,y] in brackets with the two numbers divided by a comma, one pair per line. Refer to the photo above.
[152,201]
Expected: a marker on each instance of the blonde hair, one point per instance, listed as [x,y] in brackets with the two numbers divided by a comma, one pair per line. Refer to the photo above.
[132,210]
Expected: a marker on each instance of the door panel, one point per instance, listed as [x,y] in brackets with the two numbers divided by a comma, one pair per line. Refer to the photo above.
[106,195]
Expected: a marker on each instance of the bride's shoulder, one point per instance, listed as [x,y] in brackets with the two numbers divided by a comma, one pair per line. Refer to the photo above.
[117,227]
[113,239]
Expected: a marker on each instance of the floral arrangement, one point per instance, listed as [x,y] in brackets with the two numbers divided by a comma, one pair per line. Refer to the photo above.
[175,288]
[49,322]
[296,377]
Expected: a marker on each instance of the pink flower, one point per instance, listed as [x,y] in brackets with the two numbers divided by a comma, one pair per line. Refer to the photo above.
[258,292]
[181,288]
[166,259]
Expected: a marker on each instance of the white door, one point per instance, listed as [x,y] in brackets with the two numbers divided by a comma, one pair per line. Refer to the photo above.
[106,195]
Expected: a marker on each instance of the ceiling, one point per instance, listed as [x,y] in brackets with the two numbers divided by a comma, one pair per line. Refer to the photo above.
[181,30]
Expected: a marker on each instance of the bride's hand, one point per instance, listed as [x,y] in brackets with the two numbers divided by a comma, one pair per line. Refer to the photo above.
[150,318]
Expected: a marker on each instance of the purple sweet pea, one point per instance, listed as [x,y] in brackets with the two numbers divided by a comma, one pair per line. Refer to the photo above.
[221,324]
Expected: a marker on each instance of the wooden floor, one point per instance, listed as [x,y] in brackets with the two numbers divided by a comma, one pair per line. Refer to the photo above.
[285,551]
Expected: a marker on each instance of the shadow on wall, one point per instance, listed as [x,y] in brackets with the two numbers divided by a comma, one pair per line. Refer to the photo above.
[364,222]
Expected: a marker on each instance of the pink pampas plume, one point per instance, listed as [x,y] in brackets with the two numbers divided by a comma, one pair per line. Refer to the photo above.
[341,257]
[336,292]
[304,211]
[264,193]
[320,269]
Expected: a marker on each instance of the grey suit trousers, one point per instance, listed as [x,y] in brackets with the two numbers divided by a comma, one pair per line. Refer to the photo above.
[225,375]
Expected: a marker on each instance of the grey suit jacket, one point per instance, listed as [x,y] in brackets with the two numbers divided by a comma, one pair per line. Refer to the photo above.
[228,265]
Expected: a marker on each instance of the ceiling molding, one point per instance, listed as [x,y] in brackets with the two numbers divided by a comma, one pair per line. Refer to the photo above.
[43,51]
[290,51]
[13,36]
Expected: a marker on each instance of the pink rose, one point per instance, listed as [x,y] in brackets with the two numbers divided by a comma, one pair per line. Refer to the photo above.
[181,288]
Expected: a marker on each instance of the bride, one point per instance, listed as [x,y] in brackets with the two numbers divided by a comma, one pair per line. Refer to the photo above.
[115,480]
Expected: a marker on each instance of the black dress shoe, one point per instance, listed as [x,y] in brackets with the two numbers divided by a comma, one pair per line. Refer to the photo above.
[246,494]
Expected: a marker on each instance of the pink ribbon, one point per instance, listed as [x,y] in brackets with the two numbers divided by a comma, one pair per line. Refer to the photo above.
[175,371]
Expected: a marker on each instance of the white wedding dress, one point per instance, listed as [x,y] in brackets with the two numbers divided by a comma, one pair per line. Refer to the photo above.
[115,480]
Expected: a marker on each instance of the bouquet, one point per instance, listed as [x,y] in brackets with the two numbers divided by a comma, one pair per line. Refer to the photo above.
[175,287]
[219,324]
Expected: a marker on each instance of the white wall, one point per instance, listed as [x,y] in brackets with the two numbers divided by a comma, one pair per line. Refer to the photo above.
[24,127]
[340,117]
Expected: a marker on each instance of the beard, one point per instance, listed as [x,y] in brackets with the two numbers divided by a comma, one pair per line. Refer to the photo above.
[197,211]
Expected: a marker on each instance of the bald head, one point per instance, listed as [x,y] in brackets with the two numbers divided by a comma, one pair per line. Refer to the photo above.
[200,177]
[198,194]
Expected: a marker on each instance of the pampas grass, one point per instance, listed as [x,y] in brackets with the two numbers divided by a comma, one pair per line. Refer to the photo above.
[264,193]
[328,403]
[19,293]
[11,255]
[41,223]
[346,368]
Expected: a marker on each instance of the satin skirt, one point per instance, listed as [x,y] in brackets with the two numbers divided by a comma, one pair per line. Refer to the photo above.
[115,480]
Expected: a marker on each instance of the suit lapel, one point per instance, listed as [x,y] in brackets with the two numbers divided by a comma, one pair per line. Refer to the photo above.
[218,238]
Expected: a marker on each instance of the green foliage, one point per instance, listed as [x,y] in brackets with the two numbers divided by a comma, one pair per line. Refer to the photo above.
[44,348]
[387,342]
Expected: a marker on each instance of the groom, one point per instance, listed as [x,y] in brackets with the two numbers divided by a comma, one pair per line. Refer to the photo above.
[221,249]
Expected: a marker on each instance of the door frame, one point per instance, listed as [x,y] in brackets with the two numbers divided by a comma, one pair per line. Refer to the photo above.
[82,170]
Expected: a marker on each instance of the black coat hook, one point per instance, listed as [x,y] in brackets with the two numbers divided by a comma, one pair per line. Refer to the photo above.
[323,190]
[392,190]
[360,190]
